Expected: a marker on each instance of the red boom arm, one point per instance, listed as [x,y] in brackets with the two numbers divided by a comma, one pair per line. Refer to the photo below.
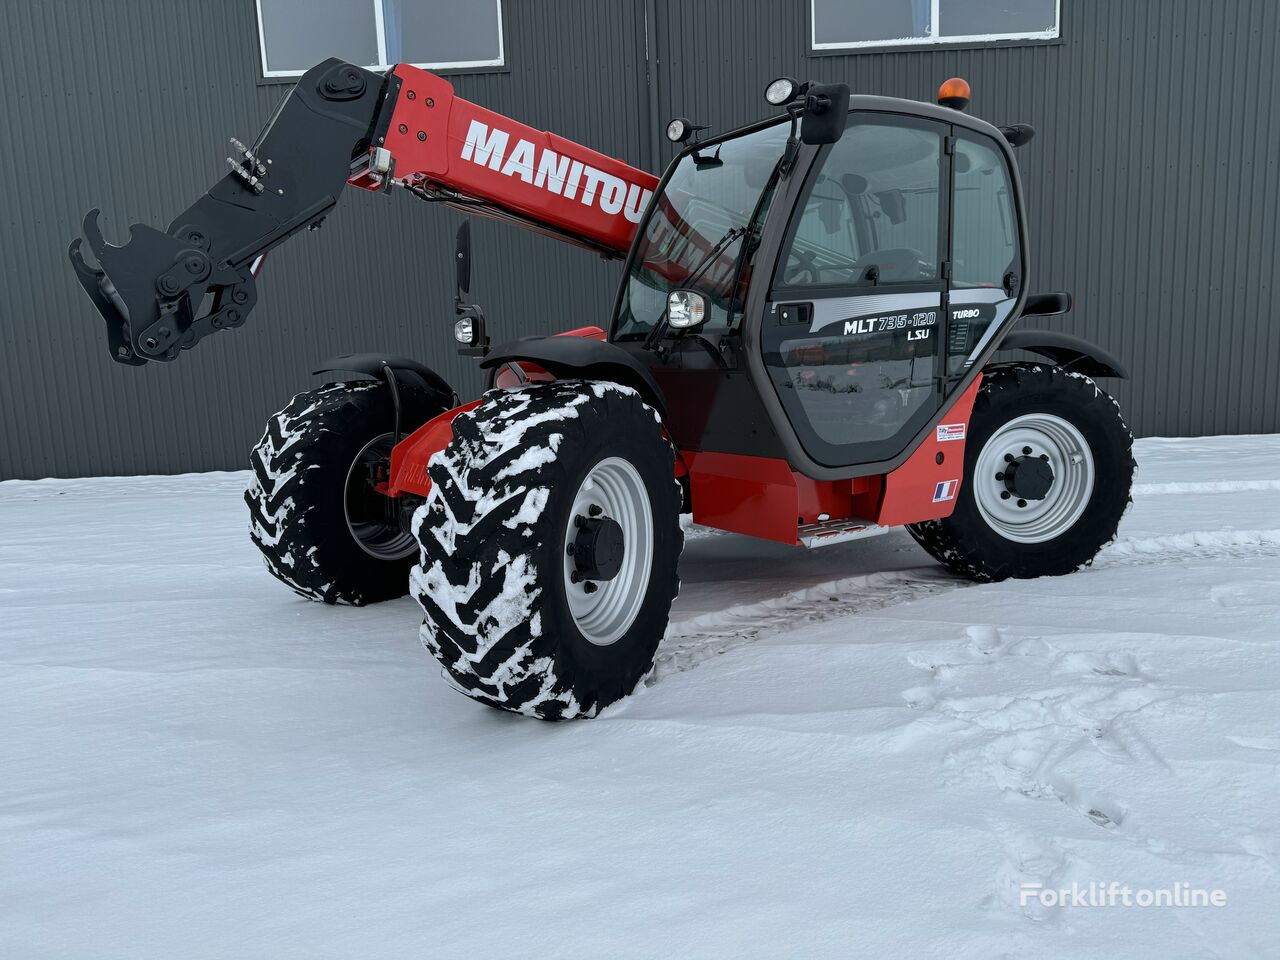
[450,149]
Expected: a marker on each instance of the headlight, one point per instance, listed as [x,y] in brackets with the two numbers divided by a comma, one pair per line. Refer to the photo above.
[678,130]
[685,309]
[783,90]
[462,330]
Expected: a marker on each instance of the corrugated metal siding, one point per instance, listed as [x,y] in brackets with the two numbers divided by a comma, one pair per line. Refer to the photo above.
[1152,187]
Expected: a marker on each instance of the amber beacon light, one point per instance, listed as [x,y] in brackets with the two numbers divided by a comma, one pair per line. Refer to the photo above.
[954,93]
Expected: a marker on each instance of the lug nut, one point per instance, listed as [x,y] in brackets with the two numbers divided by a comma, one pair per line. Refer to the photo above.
[1044,457]
[579,521]
[595,510]
[1004,494]
[1026,451]
[1022,503]
[590,586]
[1008,458]
[999,477]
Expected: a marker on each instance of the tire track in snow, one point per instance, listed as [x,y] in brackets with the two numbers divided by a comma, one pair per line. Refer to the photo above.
[1203,486]
[692,642]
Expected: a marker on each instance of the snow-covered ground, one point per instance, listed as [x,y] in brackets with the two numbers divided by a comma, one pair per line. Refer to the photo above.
[844,752]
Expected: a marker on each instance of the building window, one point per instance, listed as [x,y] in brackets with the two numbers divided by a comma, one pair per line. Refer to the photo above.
[854,24]
[295,35]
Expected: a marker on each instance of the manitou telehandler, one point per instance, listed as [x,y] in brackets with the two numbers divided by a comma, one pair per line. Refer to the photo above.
[801,349]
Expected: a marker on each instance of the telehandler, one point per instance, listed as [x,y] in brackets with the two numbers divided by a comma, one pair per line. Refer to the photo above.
[803,348]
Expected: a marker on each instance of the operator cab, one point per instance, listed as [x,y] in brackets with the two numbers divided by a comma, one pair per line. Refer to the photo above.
[835,294]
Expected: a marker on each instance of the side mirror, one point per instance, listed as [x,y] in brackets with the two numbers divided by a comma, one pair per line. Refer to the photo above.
[826,110]
[685,309]
[462,259]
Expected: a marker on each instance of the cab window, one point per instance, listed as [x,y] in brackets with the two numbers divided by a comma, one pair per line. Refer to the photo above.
[986,261]
[872,214]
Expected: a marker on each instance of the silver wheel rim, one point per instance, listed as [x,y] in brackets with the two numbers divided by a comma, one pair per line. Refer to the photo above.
[382,538]
[613,487]
[1068,454]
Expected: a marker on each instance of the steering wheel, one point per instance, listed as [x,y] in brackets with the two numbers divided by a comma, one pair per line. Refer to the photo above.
[801,263]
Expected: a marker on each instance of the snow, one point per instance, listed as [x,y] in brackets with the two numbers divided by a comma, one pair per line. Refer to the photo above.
[843,752]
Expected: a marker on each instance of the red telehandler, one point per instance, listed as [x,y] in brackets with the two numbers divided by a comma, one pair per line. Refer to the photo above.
[802,348]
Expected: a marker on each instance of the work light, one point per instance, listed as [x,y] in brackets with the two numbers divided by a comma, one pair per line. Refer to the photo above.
[685,309]
[463,331]
[783,90]
[678,130]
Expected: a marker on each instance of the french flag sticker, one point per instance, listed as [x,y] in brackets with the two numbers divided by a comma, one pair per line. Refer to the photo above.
[945,490]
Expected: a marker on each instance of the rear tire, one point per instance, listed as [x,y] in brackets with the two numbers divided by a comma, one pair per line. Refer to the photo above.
[508,611]
[1067,422]
[322,530]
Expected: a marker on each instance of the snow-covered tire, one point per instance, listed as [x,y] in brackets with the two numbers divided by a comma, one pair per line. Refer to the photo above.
[305,469]
[1025,412]
[495,578]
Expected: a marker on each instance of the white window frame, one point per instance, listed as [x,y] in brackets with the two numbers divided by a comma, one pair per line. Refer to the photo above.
[382,48]
[933,40]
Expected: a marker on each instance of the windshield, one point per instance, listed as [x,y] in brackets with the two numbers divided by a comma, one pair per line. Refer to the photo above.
[697,231]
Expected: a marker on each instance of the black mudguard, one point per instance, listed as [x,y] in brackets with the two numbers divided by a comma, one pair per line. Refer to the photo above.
[1070,353]
[584,358]
[375,364]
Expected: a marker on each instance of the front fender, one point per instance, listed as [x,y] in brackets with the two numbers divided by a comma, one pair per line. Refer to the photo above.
[372,364]
[582,357]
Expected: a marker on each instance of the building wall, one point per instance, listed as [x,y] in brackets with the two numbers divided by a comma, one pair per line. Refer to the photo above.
[1152,188]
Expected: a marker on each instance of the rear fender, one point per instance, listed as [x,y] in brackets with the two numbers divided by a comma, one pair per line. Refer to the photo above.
[1070,353]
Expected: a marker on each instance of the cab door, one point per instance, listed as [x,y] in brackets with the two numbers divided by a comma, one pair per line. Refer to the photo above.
[853,330]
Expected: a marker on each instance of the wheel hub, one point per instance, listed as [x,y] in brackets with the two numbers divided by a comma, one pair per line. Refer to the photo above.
[598,548]
[1028,478]
[608,550]
[374,519]
[1033,478]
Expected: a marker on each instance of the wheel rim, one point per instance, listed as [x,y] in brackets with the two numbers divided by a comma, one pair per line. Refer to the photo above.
[1052,440]
[374,520]
[612,489]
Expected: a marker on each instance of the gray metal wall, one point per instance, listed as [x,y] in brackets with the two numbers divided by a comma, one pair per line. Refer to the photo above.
[1152,188]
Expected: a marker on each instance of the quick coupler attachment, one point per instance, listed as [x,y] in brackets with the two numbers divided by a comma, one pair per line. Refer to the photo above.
[150,290]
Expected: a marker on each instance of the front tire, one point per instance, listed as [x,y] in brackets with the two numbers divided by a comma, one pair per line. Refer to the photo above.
[1048,471]
[549,544]
[322,529]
